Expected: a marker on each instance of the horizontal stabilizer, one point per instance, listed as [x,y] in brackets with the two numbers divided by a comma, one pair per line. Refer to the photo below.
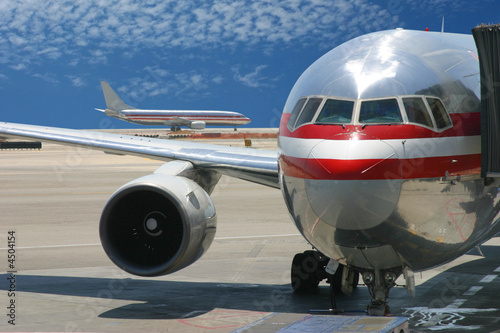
[113,113]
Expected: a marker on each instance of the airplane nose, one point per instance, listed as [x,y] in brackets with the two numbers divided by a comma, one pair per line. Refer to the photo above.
[358,181]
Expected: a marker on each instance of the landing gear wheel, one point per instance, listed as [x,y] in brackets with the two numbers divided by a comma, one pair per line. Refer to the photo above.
[303,274]
[309,269]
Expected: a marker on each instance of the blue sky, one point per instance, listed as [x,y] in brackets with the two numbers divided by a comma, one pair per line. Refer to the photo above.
[237,55]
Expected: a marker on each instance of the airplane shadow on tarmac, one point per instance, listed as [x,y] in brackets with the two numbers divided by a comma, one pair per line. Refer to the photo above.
[458,298]
[154,299]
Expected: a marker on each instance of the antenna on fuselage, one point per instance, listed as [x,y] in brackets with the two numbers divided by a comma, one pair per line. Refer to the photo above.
[442,25]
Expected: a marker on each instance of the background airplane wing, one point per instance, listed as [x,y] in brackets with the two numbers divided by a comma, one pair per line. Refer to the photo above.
[259,166]
[180,121]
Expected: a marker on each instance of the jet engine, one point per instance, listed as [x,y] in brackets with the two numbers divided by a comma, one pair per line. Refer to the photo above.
[197,125]
[157,224]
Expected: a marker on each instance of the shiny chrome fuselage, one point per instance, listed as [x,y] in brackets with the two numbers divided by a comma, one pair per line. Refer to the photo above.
[181,117]
[385,195]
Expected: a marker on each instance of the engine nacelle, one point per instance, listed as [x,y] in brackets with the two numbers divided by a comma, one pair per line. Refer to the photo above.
[157,224]
[197,125]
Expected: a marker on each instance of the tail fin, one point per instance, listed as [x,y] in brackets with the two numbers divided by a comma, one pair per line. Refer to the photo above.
[113,102]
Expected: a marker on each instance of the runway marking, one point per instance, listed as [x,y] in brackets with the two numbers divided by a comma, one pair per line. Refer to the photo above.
[472,291]
[457,303]
[440,319]
[46,194]
[256,236]
[447,317]
[51,246]
[95,244]
[221,319]
[488,278]
[255,323]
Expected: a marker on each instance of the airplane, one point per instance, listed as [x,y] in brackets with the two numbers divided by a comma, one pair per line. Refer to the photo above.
[378,161]
[194,119]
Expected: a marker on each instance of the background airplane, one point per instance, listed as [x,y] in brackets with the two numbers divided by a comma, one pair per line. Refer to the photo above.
[194,119]
[378,161]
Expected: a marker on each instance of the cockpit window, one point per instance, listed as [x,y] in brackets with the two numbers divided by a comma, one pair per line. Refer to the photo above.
[295,113]
[323,110]
[438,111]
[336,112]
[416,111]
[309,111]
[383,111]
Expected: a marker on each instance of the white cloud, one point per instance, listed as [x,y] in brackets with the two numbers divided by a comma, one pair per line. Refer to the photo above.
[39,28]
[253,79]
[218,79]
[435,5]
[50,52]
[18,67]
[191,81]
[77,81]
[50,78]
[97,57]
[96,32]
[158,81]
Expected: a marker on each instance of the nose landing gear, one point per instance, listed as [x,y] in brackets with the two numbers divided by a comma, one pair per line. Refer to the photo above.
[311,267]
[379,283]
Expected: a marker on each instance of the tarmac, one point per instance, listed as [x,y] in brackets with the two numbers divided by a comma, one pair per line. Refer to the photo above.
[61,280]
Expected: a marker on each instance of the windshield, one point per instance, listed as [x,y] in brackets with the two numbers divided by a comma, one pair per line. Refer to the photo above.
[309,111]
[416,111]
[295,113]
[323,110]
[439,113]
[382,111]
[336,112]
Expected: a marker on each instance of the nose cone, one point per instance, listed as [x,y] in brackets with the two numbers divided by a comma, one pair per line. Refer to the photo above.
[360,187]
[244,119]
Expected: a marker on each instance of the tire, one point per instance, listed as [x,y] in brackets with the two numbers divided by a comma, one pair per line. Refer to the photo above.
[303,272]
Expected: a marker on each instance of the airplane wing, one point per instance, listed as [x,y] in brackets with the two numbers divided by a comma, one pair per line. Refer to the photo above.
[181,121]
[259,166]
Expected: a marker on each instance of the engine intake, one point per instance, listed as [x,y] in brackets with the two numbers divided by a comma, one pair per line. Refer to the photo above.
[157,224]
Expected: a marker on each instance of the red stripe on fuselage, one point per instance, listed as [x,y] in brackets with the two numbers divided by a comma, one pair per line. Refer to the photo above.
[464,124]
[370,169]
[144,116]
